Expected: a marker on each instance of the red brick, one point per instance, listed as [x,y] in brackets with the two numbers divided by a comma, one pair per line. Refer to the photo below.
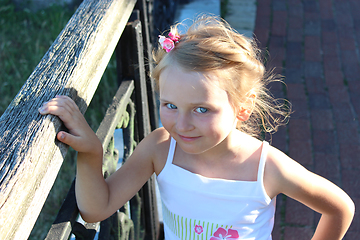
[350,65]
[343,112]
[355,225]
[355,8]
[329,38]
[312,48]
[339,94]
[327,165]
[295,22]
[296,91]
[351,183]
[328,25]
[279,139]
[277,230]
[322,119]
[347,42]
[312,27]
[277,54]
[262,22]
[294,57]
[293,75]
[276,87]
[333,77]
[300,151]
[326,10]
[354,87]
[310,7]
[317,98]
[342,14]
[265,9]
[315,85]
[348,133]
[300,109]
[295,8]
[299,214]
[279,23]
[314,70]
[352,235]
[349,155]
[329,44]
[324,141]
[298,233]
[262,36]
[295,34]
[355,100]
[332,63]
[299,129]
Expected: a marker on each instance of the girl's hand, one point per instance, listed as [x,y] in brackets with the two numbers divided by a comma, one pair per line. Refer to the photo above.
[80,136]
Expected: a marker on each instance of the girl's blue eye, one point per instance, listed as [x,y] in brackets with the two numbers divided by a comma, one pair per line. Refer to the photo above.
[171,106]
[201,110]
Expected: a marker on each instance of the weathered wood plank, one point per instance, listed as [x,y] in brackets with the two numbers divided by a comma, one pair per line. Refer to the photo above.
[114,113]
[134,53]
[30,155]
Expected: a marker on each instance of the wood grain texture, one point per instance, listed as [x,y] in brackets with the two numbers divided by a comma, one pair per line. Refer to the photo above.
[30,155]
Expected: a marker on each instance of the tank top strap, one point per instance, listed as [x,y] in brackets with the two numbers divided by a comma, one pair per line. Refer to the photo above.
[264,151]
[171,152]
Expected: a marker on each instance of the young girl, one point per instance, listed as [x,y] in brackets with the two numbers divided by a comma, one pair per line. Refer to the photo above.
[217,180]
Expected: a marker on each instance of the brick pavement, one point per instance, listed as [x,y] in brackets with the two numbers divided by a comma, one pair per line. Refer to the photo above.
[315,45]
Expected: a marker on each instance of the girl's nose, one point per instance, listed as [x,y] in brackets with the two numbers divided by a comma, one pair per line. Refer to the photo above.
[184,123]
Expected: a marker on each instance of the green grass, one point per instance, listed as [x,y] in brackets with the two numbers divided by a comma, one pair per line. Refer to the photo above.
[24,39]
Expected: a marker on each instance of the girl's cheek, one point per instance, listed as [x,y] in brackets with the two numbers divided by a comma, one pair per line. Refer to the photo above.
[165,117]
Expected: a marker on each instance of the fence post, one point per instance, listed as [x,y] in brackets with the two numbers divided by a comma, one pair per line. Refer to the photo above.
[130,50]
[149,66]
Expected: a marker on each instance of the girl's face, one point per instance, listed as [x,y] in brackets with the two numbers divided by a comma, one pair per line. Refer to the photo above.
[195,110]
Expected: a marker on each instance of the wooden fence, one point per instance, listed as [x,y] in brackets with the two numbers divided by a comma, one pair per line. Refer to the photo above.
[30,154]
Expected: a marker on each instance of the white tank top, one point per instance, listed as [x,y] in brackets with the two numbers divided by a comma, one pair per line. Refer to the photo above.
[202,208]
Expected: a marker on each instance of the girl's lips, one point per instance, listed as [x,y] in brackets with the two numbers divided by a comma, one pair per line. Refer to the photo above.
[187,139]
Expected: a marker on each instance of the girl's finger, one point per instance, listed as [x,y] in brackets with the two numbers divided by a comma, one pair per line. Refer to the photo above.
[69,102]
[67,138]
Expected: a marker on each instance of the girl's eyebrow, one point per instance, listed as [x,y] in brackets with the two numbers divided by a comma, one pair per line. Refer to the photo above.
[193,103]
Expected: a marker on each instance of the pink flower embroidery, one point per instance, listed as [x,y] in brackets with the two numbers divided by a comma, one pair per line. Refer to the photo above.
[221,233]
[198,229]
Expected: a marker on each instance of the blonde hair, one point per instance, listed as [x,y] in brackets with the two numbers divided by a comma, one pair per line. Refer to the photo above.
[211,46]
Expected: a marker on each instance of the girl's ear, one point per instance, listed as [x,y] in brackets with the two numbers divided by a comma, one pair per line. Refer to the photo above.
[244,114]
[247,108]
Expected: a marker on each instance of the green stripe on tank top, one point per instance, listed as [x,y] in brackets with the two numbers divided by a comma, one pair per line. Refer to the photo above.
[207,230]
[186,228]
[182,227]
[174,223]
[198,237]
[190,230]
[202,235]
[178,226]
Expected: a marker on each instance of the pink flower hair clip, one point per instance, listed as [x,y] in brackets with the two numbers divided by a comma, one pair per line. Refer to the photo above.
[168,44]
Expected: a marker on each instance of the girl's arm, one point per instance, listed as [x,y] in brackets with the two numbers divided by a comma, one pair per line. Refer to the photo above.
[98,199]
[288,177]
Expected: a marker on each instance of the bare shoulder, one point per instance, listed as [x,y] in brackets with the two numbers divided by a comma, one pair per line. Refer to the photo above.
[283,174]
[157,145]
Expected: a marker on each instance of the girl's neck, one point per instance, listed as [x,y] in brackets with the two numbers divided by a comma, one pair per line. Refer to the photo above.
[235,147]
[237,159]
